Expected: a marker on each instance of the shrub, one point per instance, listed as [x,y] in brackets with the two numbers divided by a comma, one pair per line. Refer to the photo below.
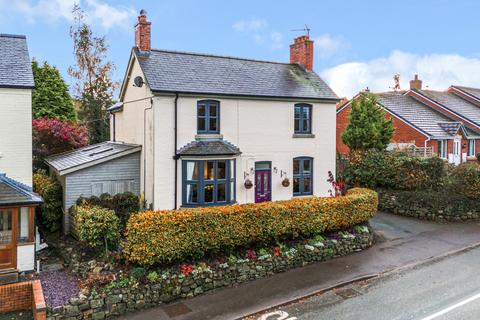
[51,211]
[124,204]
[175,235]
[465,180]
[138,273]
[52,136]
[97,226]
[393,170]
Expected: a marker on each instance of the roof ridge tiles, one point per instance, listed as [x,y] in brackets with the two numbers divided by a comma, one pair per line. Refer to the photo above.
[7,35]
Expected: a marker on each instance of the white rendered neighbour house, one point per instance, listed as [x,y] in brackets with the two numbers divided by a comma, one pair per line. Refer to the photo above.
[219,130]
[17,201]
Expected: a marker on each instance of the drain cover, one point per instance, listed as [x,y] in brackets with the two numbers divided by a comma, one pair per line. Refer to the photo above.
[176,310]
[347,293]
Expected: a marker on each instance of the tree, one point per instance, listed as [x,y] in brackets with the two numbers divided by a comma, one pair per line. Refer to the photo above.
[367,128]
[52,136]
[50,98]
[94,87]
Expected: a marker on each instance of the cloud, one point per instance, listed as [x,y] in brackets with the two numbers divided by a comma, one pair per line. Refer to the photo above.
[97,12]
[326,46]
[250,25]
[438,72]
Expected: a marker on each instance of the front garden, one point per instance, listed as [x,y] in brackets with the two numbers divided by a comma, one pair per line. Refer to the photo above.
[427,189]
[161,256]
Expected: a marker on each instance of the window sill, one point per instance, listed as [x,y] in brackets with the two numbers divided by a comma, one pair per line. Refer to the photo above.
[303,135]
[190,206]
[209,136]
[303,195]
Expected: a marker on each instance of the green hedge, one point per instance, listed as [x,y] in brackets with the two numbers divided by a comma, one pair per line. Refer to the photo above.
[441,205]
[167,236]
[392,170]
[49,214]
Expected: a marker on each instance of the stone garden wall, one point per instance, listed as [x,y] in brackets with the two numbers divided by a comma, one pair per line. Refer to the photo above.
[159,287]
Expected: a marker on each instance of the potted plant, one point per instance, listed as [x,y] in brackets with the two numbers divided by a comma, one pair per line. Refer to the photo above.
[286,182]
[248,184]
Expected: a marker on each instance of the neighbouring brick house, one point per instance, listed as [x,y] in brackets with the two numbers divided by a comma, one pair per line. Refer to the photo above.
[428,122]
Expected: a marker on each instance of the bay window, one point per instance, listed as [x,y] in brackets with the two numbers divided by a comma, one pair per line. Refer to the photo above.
[208,182]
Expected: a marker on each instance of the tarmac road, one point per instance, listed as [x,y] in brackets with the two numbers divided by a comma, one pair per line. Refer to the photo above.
[446,289]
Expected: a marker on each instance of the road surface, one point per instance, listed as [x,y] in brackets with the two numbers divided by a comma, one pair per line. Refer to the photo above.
[446,289]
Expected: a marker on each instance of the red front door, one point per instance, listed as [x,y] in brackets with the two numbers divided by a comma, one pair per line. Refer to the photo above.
[8,241]
[263,187]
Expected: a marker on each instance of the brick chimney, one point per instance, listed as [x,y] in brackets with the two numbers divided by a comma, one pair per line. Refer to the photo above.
[416,84]
[142,33]
[301,52]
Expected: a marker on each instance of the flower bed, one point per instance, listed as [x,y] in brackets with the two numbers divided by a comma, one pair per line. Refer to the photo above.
[141,289]
[176,235]
[440,206]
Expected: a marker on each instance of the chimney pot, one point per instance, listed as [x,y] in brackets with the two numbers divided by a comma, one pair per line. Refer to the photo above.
[142,33]
[416,83]
[301,52]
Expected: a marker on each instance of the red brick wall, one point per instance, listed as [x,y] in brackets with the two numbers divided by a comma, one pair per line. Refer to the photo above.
[23,296]
[403,132]
[142,34]
[301,51]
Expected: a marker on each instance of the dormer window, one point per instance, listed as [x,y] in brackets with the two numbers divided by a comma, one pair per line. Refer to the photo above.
[303,118]
[208,116]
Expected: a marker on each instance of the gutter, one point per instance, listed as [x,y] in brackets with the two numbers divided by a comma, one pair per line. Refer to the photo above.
[175,155]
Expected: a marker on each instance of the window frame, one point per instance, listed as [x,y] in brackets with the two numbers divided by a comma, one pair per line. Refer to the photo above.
[301,176]
[207,117]
[442,148]
[301,118]
[201,182]
[471,146]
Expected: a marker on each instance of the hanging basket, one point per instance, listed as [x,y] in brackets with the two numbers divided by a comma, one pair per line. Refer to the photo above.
[248,184]
[286,182]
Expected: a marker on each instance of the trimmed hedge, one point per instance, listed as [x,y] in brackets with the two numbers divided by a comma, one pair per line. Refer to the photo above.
[465,180]
[440,206]
[392,170]
[167,236]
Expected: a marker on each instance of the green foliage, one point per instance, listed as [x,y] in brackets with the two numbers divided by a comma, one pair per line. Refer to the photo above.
[153,276]
[367,128]
[50,212]
[124,204]
[175,235]
[393,170]
[94,87]
[138,273]
[97,226]
[465,180]
[51,98]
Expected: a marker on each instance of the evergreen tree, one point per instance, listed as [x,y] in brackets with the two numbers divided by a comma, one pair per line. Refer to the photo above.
[367,128]
[94,87]
[50,98]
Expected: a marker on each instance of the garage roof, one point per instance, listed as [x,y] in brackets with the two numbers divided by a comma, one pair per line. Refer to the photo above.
[71,161]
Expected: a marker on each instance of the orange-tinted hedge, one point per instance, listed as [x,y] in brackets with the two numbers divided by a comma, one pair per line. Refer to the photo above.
[175,235]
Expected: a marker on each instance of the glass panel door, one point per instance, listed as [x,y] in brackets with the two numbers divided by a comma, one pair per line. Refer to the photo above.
[8,245]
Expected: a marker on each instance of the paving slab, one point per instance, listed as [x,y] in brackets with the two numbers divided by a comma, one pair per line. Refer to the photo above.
[401,241]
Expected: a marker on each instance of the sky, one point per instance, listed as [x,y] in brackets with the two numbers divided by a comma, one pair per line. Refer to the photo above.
[358,44]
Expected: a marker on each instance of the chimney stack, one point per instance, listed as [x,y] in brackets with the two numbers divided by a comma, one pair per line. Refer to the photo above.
[301,52]
[142,33]
[416,84]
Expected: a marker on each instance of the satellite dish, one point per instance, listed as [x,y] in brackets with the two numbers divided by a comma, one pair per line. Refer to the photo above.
[138,82]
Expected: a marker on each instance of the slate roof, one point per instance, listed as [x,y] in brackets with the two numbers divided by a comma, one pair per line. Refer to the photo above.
[173,71]
[471,91]
[15,64]
[15,193]
[81,158]
[431,122]
[208,148]
[455,103]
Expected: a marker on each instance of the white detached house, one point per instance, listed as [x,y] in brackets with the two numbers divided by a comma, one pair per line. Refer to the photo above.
[218,130]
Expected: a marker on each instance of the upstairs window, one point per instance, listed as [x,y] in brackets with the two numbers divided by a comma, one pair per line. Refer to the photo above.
[302,176]
[442,149]
[208,116]
[303,118]
[471,148]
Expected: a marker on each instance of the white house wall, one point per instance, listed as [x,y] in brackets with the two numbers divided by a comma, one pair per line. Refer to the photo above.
[261,129]
[25,257]
[16,134]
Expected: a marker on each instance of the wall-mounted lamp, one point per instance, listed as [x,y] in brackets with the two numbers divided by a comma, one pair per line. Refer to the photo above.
[283,173]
